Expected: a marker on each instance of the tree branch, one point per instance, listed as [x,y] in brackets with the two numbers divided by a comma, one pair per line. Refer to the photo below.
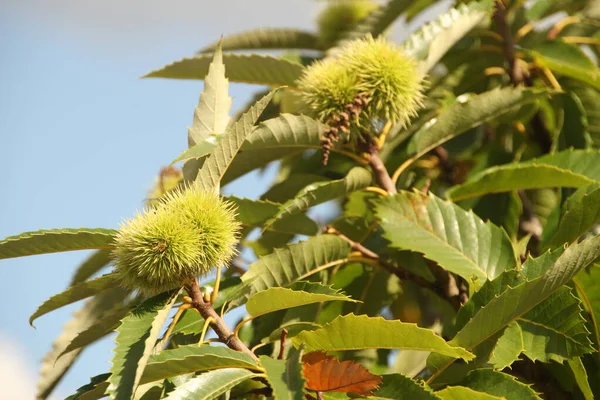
[380,171]
[221,329]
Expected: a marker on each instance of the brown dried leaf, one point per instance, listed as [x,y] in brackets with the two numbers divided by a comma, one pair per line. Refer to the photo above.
[325,373]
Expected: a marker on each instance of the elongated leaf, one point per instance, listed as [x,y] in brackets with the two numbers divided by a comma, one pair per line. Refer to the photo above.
[579,373]
[75,293]
[54,241]
[278,298]
[445,233]
[194,358]
[590,99]
[104,325]
[217,163]
[285,376]
[517,301]
[288,188]
[499,384]
[293,329]
[375,333]
[318,193]
[569,60]
[433,40]
[468,112]
[210,385]
[579,217]
[400,387]
[94,263]
[135,340]
[212,114]
[464,393]
[569,168]
[254,68]
[254,213]
[53,370]
[268,38]
[296,262]
[378,20]
[587,283]
[95,388]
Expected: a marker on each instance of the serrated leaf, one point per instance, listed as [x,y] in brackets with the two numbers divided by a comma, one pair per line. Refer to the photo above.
[579,216]
[400,387]
[468,112]
[293,329]
[433,40]
[590,99]
[136,337]
[210,385]
[218,161]
[212,114]
[194,358]
[254,213]
[567,59]
[275,138]
[569,168]
[285,376]
[325,373]
[499,384]
[104,325]
[515,302]
[95,389]
[296,262]
[587,283]
[581,378]
[375,333]
[75,293]
[55,240]
[320,192]
[268,38]
[278,298]
[464,393]
[253,68]
[289,187]
[53,370]
[94,263]
[456,239]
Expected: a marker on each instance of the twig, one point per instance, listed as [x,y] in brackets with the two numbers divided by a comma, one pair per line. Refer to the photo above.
[320,396]
[221,329]
[381,173]
[284,333]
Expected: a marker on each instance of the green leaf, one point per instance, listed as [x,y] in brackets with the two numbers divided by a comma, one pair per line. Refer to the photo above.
[94,263]
[464,393]
[320,192]
[212,114]
[253,68]
[268,38]
[515,302]
[499,384]
[569,168]
[378,20]
[254,213]
[400,387]
[53,370]
[590,99]
[296,262]
[433,40]
[289,187]
[293,329]
[567,59]
[95,389]
[580,374]
[587,283]
[135,340]
[194,358]
[278,298]
[210,385]
[75,293]
[276,138]
[467,112]
[218,161]
[285,376]
[579,216]
[355,332]
[55,240]
[456,239]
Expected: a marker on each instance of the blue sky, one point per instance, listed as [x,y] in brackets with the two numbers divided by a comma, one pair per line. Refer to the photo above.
[82,138]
